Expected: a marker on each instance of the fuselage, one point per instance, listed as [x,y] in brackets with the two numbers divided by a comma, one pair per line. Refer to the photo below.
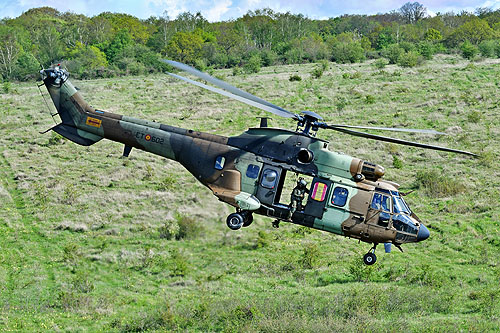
[248,171]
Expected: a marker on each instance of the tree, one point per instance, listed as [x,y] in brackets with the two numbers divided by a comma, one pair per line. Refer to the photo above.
[121,40]
[433,35]
[185,47]
[413,12]
[9,51]
[475,31]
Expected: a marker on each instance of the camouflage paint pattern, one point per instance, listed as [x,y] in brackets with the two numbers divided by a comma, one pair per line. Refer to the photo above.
[222,163]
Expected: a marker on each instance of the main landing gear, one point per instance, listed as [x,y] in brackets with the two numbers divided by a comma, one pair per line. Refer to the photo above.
[239,219]
[370,258]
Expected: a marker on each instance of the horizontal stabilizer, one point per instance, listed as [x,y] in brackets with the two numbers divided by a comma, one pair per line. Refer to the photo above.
[78,136]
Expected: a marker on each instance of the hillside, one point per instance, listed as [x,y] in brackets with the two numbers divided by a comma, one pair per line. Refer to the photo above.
[92,241]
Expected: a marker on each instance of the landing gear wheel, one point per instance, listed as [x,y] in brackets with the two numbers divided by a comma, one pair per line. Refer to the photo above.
[247,219]
[369,258]
[234,221]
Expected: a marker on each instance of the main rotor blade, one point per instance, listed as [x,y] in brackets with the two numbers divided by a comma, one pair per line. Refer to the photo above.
[398,141]
[230,88]
[393,129]
[238,98]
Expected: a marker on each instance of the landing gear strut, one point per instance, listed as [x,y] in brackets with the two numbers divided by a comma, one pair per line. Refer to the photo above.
[370,258]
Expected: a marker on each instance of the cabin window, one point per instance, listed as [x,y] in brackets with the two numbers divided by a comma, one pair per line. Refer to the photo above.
[269,178]
[381,202]
[339,197]
[253,171]
[319,191]
[219,162]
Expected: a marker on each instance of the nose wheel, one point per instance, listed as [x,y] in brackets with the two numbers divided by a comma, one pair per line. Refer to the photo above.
[370,258]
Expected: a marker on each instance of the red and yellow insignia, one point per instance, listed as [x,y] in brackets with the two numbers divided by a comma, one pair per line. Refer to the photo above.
[147,137]
[93,122]
[319,192]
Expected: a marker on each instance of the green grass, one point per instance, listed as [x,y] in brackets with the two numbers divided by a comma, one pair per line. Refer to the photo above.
[90,241]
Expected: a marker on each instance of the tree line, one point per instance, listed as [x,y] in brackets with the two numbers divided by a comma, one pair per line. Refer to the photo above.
[111,44]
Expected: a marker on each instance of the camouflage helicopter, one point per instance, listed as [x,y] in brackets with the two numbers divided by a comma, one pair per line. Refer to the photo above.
[345,196]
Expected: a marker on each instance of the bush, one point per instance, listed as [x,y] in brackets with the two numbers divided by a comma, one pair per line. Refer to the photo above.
[269,57]
[253,64]
[468,50]
[426,49]
[189,228]
[349,52]
[317,72]
[380,63]
[294,77]
[409,59]
[488,48]
[437,185]
[310,256]
[392,53]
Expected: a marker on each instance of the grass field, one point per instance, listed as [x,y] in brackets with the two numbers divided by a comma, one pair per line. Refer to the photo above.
[90,241]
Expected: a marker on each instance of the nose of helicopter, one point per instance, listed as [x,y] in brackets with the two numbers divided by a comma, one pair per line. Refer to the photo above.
[423,233]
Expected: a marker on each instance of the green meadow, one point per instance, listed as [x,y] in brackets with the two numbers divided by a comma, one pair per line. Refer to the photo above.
[92,241]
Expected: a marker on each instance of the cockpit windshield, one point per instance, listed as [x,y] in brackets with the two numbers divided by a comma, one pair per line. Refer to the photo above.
[400,206]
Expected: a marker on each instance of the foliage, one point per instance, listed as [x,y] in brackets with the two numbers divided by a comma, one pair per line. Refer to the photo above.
[380,63]
[44,36]
[433,35]
[392,53]
[185,46]
[253,64]
[348,52]
[474,31]
[437,184]
[469,51]
[488,48]
[409,59]
[118,274]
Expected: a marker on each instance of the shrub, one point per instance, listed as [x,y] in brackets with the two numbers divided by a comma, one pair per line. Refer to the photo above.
[436,184]
[317,72]
[236,70]
[488,48]
[359,271]
[189,228]
[409,59]
[392,53]
[396,162]
[349,52]
[370,99]
[253,64]
[295,77]
[468,50]
[380,63]
[269,57]
[310,256]
[169,229]
[7,86]
[179,263]
[426,49]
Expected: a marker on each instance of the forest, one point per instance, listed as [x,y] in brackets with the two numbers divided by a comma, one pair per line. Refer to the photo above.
[114,44]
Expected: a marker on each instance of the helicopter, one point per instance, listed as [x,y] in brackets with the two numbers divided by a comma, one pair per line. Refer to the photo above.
[345,195]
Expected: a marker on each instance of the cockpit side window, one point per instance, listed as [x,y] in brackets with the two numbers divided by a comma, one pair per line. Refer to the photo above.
[381,202]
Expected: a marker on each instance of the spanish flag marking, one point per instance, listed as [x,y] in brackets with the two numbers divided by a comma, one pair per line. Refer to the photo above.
[93,122]
[319,192]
